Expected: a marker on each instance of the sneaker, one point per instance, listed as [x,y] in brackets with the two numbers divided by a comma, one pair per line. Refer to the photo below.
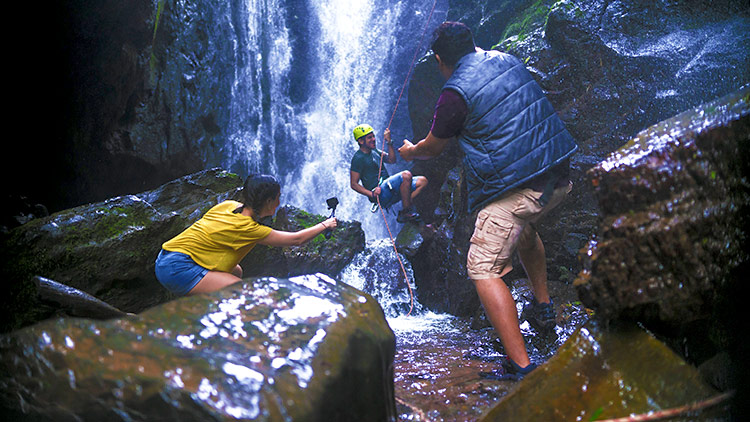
[510,371]
[408,216]
[541,316]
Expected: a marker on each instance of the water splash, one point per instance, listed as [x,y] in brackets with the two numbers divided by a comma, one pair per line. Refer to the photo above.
[376,271]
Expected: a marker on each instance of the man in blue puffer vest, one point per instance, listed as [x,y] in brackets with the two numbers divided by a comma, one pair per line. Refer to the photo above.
[516,160]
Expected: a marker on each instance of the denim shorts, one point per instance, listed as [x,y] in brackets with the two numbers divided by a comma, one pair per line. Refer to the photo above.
[178,272]
[389,189]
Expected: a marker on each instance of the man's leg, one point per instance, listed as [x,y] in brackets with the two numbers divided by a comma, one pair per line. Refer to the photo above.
[496,234]
[420,183]
[534,261]
[531,249]
[500,308]
[405,189]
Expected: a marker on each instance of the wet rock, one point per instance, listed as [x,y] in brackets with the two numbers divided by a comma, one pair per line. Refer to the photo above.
[439,263]
[605,374]
[328,256]
[19,210]
[108,249]
[73,301]
[675,202]
[305,348]
[607,57]
[377,271]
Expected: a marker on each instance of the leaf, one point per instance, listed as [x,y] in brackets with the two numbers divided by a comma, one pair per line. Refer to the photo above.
[596,414]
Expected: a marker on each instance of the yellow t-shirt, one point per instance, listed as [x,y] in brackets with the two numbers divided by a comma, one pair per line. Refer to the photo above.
[220,239]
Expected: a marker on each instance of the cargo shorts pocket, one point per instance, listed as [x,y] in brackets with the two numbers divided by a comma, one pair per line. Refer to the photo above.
[492,233]
[490,249]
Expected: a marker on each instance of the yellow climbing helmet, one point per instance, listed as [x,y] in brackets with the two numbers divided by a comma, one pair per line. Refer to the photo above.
[361,131]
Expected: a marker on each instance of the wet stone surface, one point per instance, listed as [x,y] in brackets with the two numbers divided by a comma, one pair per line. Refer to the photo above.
[304,348]
[439,358]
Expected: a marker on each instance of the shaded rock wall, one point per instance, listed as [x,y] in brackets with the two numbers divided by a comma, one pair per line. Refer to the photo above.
[129,104]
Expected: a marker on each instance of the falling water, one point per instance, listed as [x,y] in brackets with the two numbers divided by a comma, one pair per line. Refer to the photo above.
[313,71]
[261,110]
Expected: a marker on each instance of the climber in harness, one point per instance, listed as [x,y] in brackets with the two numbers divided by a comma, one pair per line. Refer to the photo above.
[365,168]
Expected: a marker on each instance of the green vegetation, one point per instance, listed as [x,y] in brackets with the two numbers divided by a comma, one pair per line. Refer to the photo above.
[159,9]
[532,17]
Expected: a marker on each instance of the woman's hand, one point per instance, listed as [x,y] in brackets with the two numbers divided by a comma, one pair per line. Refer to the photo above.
[331,223]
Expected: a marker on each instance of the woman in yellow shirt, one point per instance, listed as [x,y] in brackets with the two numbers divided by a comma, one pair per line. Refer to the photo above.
[205,257]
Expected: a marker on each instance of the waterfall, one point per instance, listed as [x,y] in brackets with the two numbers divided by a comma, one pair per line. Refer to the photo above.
[313,70]
[306,73]
[260,110]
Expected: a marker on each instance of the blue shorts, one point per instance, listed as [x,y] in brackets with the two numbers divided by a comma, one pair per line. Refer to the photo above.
[389,189]
[178,272]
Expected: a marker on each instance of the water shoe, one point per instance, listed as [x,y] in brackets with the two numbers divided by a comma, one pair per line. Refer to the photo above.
[541,316]
[408,216]
[510,371]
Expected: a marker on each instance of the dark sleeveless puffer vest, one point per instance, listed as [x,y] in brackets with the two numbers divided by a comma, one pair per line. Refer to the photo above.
[511,133]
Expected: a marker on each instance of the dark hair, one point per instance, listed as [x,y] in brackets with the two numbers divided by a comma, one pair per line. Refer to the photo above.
[258,189]
[451,41]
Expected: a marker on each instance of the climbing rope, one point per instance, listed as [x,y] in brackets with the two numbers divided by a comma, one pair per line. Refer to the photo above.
[380,167]
[669,413]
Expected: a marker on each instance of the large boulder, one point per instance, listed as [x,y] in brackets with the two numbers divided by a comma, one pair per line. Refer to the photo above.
[438,254]
[305,348]
[327,255]
[107,249]
[612,373]
[674,203]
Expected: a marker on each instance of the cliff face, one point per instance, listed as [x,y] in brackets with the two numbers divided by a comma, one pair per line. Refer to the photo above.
[610,69]
[133,99]
[128,100]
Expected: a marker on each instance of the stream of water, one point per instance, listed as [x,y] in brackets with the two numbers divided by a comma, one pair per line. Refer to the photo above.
[439,357]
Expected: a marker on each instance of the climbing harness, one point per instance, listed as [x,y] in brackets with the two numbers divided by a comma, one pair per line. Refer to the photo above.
[380,167]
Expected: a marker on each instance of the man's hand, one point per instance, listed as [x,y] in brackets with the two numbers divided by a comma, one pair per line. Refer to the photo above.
[376,192]
[407,150]
[429,147]
[387,135]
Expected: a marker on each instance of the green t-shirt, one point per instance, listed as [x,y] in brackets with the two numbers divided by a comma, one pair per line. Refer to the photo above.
[367,166]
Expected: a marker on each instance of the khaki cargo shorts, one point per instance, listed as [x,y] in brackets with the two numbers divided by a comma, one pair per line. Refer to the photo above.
[503,225]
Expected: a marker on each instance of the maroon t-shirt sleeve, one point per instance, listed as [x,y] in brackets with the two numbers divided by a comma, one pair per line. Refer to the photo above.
[450,114]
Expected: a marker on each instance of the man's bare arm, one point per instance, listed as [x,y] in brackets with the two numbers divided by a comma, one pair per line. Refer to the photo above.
[354,184]
[429,147]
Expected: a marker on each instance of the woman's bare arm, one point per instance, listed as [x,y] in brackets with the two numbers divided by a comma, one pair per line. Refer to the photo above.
[282,238]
